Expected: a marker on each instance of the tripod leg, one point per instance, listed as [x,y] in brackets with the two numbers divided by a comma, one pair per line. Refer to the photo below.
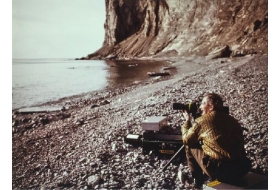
[173,158]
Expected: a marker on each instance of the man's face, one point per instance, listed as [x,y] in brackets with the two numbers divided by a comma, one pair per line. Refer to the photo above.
[205,106]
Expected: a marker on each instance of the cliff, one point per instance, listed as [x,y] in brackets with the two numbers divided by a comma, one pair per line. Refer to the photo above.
[162,28]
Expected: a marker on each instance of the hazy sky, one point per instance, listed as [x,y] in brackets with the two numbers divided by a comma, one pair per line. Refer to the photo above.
[57,28]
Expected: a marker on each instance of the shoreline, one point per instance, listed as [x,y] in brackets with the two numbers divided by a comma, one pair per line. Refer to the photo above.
[69,148]
[113,81]
[178,63]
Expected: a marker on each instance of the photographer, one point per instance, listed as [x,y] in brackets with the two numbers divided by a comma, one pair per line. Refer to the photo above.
[214,144]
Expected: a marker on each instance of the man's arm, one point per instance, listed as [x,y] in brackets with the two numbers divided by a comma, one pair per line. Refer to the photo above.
[190,133]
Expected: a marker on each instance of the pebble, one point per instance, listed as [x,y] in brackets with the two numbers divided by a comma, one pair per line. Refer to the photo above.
[88,143]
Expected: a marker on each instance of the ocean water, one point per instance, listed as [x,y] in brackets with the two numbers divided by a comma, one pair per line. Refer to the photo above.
[37,81]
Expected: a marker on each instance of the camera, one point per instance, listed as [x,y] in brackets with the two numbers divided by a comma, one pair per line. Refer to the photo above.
[193,108]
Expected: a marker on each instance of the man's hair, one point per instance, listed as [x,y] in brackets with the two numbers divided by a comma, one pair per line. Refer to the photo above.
[215,100]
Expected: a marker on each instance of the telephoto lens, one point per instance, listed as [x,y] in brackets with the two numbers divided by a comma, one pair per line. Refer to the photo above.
[179,106]
[191,108]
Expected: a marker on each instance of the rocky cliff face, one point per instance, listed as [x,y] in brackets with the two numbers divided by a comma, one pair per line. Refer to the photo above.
[159,28]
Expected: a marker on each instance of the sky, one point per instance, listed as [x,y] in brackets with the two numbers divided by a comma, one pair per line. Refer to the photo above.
[42,29]
[57,28]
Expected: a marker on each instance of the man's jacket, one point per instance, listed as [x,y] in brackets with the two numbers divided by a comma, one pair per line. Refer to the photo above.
[220,136]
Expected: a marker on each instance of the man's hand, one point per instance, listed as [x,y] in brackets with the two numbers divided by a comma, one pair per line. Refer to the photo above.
[186,115]
[185,127]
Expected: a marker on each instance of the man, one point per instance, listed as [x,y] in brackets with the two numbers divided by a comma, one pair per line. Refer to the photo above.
[214,144]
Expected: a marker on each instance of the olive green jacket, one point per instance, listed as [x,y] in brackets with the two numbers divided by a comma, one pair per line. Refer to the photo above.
[220,134]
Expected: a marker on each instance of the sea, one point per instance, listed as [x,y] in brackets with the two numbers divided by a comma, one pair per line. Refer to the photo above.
[38,81]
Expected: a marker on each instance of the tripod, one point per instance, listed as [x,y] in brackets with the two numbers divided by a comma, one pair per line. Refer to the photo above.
[173,157]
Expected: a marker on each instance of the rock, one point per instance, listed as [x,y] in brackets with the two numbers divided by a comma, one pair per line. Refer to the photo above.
[155,74]
[93,180]
[104,102]
[15,123]
[111,57]
[220,52]
[94,106]
[44,121]
[147,28]
[169,68]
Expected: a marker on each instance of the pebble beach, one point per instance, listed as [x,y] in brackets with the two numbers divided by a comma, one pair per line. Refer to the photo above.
[82,146]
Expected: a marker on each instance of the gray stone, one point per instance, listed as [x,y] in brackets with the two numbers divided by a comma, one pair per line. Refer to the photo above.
[93,180]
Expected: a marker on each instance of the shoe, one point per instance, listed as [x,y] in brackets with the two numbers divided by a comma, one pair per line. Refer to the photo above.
[184,178]
[194,185]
